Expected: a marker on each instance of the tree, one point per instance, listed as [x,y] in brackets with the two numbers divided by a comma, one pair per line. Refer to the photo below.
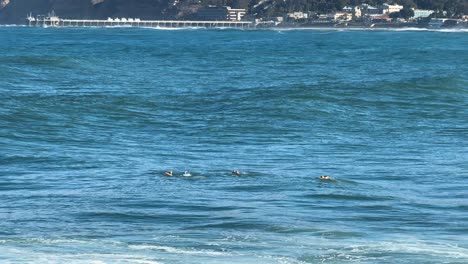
[394,15]
[406,12]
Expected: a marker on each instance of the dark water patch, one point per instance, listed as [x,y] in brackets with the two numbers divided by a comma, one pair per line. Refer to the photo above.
[456,230]
[26,186]
[293,230]
[135,217]
[385,209]
[250,188]
[177,207]
[39,61]
[200,208]
[339,234]
[348,197]
[438,205]
[22,159]
[234,225]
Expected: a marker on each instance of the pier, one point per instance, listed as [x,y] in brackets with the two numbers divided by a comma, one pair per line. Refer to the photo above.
[55,21]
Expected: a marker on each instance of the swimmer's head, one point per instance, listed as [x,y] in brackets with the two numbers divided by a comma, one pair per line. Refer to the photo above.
[325,177]
[236,172]
[168,173]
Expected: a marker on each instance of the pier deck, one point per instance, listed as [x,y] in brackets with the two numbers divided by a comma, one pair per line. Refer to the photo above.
[59,22]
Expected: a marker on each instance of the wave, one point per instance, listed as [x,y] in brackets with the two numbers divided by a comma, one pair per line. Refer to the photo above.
[454,30]
[376,252]
[417,247]
[363,252]
[13,25]
[31,256]
[179,251]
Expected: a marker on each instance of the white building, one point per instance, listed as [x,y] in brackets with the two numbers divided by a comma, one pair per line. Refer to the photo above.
[388,9]
[340,16]
[419,13]
[235,14]
[348,9]
[298,15]
[370,10]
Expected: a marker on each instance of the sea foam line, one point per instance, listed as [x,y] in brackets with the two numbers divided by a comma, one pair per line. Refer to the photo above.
[433,249]
[179,251]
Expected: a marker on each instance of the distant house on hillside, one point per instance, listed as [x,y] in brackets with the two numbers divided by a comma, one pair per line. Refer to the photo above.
[340,16]
[381,19]
[348,9]
[388,9]
[298,15]
[421,13]
[368,10]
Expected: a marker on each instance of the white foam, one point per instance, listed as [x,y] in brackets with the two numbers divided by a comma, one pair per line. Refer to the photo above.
[417,247]
[179,251]
[34,256]
[454,30]
[167,28]
[13,25]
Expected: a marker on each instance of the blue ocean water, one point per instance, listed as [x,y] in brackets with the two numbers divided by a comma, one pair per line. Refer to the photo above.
[91,118]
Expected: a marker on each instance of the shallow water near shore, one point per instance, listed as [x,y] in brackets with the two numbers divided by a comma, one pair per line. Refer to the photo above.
[91,118]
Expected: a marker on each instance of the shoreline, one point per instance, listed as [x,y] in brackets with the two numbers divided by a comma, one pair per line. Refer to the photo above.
[275,28]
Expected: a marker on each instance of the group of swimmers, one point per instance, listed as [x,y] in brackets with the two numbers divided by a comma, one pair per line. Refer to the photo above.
[170,174]
[237,172]
[187,174]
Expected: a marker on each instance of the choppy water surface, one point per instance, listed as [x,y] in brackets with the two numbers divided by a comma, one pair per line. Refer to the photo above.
[91,118]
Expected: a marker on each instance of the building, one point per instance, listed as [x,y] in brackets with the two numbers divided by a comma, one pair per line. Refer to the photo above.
[421,13]
[323,17]
[340,16]
[356,12]
[235,14]
[388,9]
[368,10]
[298,15]
[348,9]
[381,19]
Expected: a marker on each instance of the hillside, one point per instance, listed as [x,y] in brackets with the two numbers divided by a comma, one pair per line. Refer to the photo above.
[14,11]
[269,8]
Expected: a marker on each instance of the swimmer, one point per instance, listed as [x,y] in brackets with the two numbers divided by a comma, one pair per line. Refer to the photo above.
[236,172]
[168,173]
[325,178]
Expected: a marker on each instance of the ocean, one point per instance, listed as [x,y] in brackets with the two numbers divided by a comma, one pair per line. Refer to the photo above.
[91,118]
